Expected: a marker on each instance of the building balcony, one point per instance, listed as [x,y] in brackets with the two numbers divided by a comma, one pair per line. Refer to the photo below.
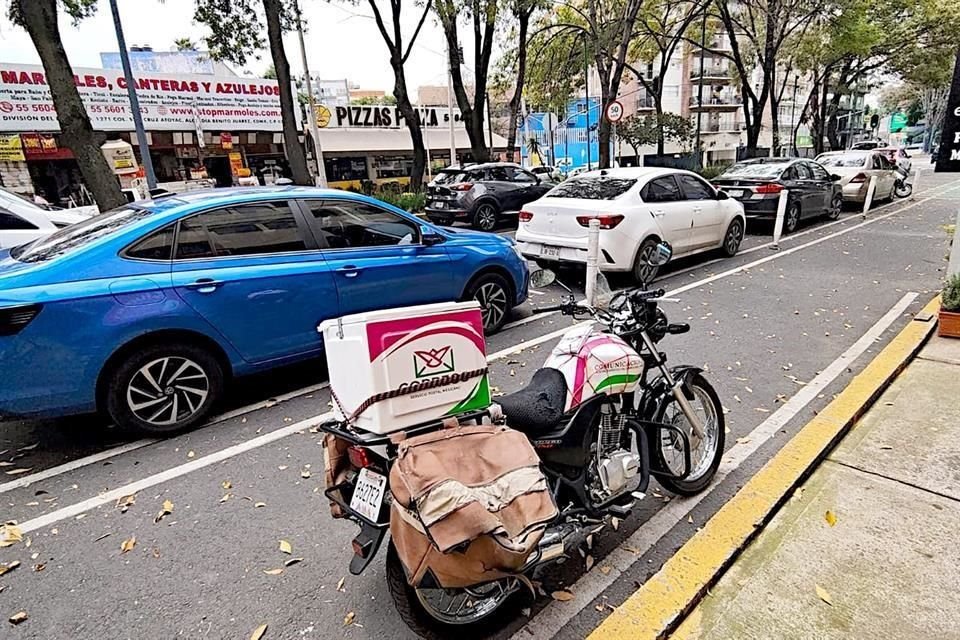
[712,73]
[717,43]
[644,104]
[715,102]
[720,126]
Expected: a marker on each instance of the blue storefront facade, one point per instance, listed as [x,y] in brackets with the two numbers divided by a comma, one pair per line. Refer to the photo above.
[568,141]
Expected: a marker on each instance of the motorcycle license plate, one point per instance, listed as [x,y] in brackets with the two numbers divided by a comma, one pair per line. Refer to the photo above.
[368,495]
[550,252]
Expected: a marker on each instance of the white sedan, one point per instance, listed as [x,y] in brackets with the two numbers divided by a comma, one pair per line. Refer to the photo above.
[637,207]
[21,221]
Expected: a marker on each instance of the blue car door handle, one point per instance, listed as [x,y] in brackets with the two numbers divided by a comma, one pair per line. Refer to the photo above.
[350,271]
[204,285]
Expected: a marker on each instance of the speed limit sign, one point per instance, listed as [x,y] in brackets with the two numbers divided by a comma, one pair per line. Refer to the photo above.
[614,111]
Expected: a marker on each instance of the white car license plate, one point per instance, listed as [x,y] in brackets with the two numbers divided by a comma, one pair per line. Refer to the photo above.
[439,205]
[549,252]
[368,494]
[734,193]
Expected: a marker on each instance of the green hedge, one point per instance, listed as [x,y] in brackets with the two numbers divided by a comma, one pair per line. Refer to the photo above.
[711,171]
[412,202]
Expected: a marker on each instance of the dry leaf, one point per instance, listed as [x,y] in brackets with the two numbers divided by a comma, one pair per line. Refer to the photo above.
[292,561]
[615,523]
[606,569]
[562,595]
[258,632]
[166,510]
[40,566]
[743,440]
[106,535]
[18,617]
[273,572]
[282,467]
[225,497]
[10,534]
[16,472]
[824,595]
[29,447]
[305,473]
[226,484]
[128,544]
[830,517]
[8,567]
[348,619]
[340,584]
[285,547]
[126,502]
[257,505]
[589,563]
[190,454]
[690,519]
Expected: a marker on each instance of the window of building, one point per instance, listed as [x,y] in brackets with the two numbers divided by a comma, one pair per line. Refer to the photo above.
[346,169]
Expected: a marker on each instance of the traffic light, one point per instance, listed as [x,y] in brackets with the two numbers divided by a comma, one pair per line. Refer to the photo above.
[875,121]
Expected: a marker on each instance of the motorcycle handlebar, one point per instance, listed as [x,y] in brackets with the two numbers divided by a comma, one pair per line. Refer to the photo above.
[556,307]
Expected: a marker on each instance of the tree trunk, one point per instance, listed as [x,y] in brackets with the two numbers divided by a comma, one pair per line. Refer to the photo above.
[40,20]
[291,136]
[412,122]
[832,120]
[472,115]
[517,98]
[658,110]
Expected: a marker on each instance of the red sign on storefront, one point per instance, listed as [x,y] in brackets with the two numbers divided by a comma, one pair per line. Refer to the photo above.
[39,145]
[226,140]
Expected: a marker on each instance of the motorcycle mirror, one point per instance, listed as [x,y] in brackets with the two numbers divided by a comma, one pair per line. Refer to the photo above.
[542,278]
[660,255]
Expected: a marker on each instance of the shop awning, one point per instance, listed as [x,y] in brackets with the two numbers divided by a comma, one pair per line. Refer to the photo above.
[393,140]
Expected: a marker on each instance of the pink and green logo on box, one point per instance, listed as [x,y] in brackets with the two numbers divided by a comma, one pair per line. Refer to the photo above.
[433,362]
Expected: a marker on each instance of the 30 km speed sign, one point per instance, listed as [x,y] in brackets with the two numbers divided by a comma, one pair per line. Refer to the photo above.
[614,111]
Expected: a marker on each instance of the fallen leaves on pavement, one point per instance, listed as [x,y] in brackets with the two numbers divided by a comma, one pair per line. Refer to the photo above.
[258,632]
[824,595]
[18,617]
[273,572]
[830,517]
[10,534]
[226,484]
[128,544]
[562,595]
[292,561]
[348,619]
[340,584]
[8,567]
[285,547]
[165,510]
[16,472]
[126,502]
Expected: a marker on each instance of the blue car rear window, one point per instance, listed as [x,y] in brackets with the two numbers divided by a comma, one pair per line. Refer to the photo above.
[76,236]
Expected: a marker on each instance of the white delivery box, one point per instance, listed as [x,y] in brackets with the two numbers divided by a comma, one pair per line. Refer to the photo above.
[397,368]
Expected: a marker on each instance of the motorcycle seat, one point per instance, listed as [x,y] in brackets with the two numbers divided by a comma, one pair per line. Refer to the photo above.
[538,407]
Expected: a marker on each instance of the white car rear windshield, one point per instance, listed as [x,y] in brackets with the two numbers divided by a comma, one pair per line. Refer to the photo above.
[592,188]
[843,160]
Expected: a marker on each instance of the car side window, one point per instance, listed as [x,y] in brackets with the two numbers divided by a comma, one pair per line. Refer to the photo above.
[663,189]
[819,173]
[695,188]
[803,173]
[523,177]
[345,224]
[876,162]
[156,246]
[240,230]
[498,174]
[11,221]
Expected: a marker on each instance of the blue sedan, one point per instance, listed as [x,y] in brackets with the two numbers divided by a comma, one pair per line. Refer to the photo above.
[147,311]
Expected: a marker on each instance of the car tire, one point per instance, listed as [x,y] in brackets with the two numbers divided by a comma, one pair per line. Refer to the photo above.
[494,294]
[164,389]
[836,207]
[733,237]
[791,219]
[485,217]
[642,272]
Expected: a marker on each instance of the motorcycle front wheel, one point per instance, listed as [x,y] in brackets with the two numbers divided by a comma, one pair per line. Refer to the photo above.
[705,453]
[440,614]
[903,189]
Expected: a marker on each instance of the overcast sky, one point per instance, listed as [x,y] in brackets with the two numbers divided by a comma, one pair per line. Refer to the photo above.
[342,40]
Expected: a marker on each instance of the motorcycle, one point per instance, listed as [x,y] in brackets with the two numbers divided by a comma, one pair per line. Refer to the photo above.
[902,188]
[604,413]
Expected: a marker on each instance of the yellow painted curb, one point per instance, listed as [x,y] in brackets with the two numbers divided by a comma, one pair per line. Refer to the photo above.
[660,604]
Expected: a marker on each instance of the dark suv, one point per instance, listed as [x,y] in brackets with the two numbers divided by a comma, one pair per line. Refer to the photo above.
[482,193]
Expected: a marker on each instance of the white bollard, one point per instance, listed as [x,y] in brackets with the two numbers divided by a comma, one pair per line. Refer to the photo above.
[916,183]
[954,265]
[871,188]
[781,214]
[593,260]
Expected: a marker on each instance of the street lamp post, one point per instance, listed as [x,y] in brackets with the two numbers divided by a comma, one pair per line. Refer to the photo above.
[134,102]
[586,96]
[453,139]
[312,116]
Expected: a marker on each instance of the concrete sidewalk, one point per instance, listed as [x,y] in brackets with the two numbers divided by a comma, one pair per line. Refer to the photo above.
[888,566]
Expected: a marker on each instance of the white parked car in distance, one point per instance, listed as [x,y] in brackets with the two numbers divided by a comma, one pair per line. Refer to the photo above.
[855,169]
[21,221]
[637,207]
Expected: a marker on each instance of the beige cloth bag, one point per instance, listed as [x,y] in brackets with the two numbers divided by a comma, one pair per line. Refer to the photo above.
[469,504]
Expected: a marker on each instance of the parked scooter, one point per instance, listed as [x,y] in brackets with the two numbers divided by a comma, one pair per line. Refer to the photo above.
[902,188]
[604,413]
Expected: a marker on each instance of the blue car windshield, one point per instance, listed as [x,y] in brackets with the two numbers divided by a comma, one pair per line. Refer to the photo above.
[76,236]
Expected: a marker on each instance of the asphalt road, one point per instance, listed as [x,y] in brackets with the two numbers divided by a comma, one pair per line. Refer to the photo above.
[766,325]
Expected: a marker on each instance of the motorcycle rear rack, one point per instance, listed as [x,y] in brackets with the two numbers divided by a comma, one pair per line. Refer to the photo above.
[366,439]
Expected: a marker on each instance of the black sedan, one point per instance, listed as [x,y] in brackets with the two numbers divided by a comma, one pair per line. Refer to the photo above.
[812,190]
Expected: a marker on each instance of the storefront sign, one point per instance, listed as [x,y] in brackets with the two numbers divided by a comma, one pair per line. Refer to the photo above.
[380,117]
[11,149]
[168,102]
[236,162]
[949,157]
[39,144]
[226,140]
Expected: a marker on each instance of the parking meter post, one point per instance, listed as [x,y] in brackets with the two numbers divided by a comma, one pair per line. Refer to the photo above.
[871,189]
[781,214]
[916,183]
[593,260]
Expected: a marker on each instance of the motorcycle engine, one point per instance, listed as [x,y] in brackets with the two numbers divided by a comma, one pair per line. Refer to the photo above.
[617,469]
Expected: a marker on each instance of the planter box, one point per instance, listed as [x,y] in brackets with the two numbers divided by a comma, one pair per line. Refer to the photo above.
[949,325]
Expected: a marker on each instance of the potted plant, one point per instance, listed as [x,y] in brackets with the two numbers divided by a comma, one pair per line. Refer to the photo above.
[950,307]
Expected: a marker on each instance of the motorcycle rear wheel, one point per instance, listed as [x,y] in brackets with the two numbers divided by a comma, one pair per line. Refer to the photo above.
[707,404]
[426,615]
[903,189]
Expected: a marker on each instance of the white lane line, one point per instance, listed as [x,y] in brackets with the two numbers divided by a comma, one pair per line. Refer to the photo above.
[559,332]
[170,474]
[106,454]
[588,588]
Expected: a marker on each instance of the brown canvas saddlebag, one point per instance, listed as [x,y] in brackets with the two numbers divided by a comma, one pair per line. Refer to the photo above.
[469,504]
